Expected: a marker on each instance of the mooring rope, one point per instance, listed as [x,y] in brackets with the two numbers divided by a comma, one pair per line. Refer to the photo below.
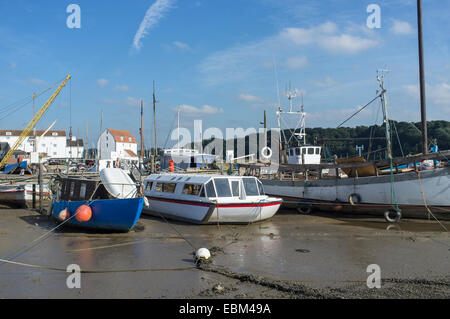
[425,201]
[96,271]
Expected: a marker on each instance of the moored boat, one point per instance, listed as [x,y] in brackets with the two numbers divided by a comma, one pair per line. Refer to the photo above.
[112,201]
[209,199]
[21,195]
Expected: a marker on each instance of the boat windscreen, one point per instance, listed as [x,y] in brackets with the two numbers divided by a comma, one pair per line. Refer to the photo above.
[261,189]
[222,187]
[210,191]
[251,189]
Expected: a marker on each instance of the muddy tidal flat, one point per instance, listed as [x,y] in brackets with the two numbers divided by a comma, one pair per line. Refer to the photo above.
[290,256]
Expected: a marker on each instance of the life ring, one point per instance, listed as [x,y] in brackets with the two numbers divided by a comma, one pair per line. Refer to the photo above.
[304,210]
[388,216]
[266,153]
[354,199]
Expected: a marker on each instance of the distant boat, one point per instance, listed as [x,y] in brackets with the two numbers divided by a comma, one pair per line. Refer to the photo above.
[209,199]
[21,195]
[395,187]
[113,201]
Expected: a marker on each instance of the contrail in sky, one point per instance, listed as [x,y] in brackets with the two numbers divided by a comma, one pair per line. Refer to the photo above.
[152,16]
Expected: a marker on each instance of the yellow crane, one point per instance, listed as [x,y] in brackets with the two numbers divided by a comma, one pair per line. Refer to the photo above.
[33,123]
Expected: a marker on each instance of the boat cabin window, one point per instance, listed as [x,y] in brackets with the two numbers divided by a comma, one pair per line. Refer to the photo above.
[304,151]
[251,189]
[149,186]
[297,151]
[72,189]
[202,193]
[235,188]
[210,191]
[191,189]
[222,187]
[83,191]
[317,151]
[291,152]
[311,151]
[261,189]
[166,187]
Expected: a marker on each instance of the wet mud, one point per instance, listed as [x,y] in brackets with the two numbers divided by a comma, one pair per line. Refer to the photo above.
[290,256]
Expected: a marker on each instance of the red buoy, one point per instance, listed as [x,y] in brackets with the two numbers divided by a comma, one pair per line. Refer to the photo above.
[83,214]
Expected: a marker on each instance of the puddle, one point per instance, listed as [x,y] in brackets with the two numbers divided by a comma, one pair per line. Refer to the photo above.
[404,225]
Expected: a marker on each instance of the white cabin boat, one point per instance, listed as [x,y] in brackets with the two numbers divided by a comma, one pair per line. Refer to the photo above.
[21,196]
[209,199]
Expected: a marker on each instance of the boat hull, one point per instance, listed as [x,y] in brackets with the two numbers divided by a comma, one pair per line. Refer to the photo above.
[374,193]
[212,213]
[118,215]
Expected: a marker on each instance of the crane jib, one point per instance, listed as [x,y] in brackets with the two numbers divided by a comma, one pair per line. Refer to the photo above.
[33,123]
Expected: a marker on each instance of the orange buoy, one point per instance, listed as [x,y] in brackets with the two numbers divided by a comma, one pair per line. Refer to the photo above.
[172,166]
[64,215]
[83,214]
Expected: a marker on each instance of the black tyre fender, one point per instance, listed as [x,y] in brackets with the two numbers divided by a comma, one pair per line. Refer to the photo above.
[354,199]
[305,210]
[388,215]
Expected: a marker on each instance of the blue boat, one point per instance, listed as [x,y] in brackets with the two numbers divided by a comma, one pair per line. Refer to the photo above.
[113,199]
[119,215]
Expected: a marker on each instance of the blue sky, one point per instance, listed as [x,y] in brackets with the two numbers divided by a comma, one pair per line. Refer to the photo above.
[216,58]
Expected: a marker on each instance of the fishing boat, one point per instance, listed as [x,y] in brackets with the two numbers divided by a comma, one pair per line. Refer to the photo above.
[21,195]
[109,203]
[209,199]
[414,186]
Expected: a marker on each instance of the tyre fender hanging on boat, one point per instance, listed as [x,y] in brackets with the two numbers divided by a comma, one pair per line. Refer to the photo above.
[354,199]
[393,216]
[305,210]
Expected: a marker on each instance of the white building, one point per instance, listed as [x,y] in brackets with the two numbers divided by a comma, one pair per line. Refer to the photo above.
[116,144]
[53,144]
[74,148]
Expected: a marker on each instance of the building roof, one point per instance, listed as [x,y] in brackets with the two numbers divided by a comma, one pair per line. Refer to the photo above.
[76,143]
[131,153]
[123,136]
[38,133]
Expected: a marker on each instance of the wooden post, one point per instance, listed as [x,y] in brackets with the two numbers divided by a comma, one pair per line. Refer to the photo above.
[34,197]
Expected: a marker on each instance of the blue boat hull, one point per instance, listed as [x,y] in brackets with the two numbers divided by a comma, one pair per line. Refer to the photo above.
[119,215]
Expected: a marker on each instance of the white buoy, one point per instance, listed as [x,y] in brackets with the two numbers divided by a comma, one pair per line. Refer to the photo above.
[203,253]
[64,215]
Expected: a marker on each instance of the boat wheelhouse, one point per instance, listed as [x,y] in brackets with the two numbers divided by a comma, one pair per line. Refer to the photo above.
[304,155]
[209,199]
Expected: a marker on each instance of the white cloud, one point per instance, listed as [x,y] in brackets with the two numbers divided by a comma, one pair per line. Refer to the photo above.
[121,88]
[402,28]
[132,101]
[251,60]
[438,94]
[297,62]
[195,111]
[36,81]
[327,82]
[327,37]
[246,97]
[181,45]
[153,15]
[102,82]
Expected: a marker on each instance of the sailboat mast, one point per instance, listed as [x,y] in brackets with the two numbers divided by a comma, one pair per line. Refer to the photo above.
[386,118]
[154,119]
[423,105]
[142,134]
